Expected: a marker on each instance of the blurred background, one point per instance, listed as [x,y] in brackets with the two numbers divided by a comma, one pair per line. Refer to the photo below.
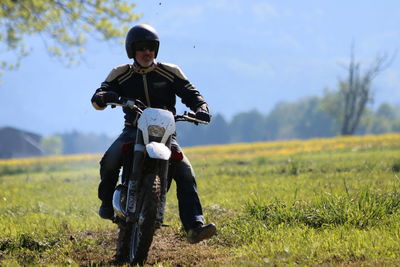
[269,70]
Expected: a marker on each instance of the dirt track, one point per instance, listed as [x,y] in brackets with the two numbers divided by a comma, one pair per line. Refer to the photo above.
[167,247]
[173,248]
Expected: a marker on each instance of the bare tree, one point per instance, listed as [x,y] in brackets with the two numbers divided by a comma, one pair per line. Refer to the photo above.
[356,91]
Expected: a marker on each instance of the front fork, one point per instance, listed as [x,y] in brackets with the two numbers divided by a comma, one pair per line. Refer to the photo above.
[163,171]
[134,182]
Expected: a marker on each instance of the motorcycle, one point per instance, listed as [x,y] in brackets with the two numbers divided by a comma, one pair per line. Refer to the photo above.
[139,198]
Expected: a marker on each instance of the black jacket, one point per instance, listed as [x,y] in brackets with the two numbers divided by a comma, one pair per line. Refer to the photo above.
[156,86]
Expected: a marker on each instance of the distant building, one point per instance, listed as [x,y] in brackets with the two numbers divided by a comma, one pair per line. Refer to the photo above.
[15,143]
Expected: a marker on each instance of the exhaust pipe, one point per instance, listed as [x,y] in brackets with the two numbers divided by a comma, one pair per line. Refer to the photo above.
[119,201]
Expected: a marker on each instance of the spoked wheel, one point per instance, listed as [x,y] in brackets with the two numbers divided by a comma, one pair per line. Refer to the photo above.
[142,229]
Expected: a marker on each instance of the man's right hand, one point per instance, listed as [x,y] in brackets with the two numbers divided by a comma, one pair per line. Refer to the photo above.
[110,97]
[104,97]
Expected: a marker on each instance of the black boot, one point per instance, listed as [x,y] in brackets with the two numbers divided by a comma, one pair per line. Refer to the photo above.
[201,232]
[106,210]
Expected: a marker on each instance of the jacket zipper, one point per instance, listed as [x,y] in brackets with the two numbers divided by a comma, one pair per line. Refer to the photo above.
[146,90]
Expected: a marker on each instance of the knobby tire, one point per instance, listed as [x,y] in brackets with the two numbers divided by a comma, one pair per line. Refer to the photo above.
[142,230]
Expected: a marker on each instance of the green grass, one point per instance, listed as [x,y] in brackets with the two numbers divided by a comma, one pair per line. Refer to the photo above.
[41,212]
[326,207]
[364,210]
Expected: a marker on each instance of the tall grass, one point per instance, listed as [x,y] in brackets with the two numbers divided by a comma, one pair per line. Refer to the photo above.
[365,209]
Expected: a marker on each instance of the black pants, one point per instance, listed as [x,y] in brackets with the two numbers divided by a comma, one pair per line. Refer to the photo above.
[190,210]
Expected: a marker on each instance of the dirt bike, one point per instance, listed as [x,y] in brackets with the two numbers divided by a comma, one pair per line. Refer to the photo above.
[139,198]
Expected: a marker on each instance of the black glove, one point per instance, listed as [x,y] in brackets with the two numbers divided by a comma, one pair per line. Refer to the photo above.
[110,97]
[203,114]
[103,97]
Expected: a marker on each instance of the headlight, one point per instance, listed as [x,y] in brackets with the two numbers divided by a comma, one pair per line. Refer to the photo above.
[156,131]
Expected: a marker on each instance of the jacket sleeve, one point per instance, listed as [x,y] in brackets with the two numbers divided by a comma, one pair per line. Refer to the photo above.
[188,93]
[110,84]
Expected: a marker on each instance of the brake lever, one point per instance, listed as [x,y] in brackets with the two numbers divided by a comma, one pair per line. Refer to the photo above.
[190,118]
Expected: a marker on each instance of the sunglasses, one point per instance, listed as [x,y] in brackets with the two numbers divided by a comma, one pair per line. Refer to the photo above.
[145,46]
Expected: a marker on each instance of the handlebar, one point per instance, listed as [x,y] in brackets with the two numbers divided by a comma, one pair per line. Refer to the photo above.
[186,116]
[190,117]
[126,104]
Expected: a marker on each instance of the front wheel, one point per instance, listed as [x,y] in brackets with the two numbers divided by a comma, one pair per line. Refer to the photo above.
[143,227]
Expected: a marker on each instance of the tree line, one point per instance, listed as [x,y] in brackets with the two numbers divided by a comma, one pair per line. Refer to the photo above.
[306,118]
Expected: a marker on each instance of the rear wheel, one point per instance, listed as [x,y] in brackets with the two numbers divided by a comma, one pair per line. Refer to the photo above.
[142,229]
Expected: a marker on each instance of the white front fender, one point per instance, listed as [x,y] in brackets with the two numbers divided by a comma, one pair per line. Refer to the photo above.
[158,151]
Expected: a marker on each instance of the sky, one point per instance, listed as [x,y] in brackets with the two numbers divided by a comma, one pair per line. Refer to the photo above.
[241,55]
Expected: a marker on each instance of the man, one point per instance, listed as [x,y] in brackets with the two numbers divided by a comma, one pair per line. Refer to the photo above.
[157,85]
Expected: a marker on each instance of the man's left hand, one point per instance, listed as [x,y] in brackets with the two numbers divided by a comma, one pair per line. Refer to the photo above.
[203,115]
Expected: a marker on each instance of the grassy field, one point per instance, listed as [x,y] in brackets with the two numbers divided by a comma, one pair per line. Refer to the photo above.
[314,202]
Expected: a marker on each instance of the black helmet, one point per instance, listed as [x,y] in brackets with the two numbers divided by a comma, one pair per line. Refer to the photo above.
[141,33]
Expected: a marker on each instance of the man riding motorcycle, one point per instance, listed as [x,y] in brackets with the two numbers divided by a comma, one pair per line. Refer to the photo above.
[156,84]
